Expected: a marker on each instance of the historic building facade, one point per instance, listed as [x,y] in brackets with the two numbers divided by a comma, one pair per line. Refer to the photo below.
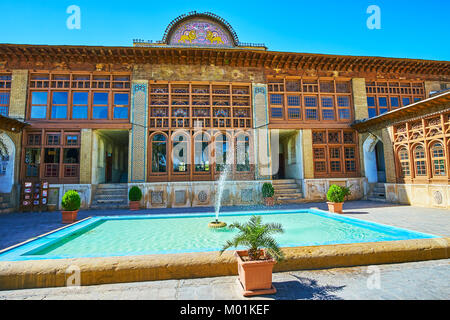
[172,116]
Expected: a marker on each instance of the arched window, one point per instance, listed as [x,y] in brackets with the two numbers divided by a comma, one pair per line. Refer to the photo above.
[438,159]
[243,153]
[420,161]
[403,157]
[222,152]
[180,153]
[159,152]
[201,153]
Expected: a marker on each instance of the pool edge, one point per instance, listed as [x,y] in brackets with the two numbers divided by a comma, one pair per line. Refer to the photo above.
[95,271]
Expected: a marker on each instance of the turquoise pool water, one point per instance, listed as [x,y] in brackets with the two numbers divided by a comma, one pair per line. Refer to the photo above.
[137,235]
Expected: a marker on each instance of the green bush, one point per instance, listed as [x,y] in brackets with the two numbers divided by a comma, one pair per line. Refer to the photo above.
[267,190]
[71,201]
[135,194]
[337,193]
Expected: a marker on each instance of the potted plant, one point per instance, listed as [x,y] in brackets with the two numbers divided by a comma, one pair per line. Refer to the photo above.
[135,196]
[255,264]
[335,196]
[71,203]
[268,192]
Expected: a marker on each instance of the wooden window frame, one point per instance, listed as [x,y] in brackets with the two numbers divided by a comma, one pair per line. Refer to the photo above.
[60,178]
[393,89]
[310,87]
[325,146]
[71,86]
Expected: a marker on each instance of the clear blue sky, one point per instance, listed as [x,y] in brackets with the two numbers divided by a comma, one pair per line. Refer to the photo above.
[410,28]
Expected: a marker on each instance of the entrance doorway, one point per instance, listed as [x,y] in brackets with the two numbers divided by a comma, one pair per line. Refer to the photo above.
[381,167]
[374,162]
[112,159]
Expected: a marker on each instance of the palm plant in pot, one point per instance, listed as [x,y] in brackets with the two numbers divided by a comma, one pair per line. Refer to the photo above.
[335,196]
[71,203]
[255,264]
[268,192]
[135,196]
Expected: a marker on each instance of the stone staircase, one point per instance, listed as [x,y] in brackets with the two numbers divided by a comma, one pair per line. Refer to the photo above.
[110,196]
[287,191]
[378,193]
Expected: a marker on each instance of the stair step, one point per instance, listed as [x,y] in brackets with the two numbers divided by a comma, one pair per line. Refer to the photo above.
[376,199]
[109,196]
[276,182]
[286,186]
[289,197]
[287,191]
[110,200]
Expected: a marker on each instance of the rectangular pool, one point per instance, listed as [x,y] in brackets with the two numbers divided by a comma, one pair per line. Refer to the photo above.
[177,233]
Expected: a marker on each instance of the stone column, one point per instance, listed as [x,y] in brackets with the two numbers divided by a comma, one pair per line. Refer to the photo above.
[86,154]
[137,167]
[387,138]
[261,132]
[308,163]
[18,98]
[361,112]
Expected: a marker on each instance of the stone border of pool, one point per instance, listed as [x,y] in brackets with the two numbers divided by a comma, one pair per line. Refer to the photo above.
[95,271]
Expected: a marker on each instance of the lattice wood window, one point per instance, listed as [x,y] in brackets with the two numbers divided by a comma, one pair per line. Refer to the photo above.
[384,96]
[335,153]
[310,100]
[422,149]
[205,105]
[52,154]
[438,159]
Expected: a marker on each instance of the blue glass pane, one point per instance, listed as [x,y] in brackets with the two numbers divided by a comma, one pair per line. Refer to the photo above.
[39,98]
[79,112]
[371,101]
[310,101]
[38,112]
[293,101]
[382,101]
[80,98]
[120,113]
[277,112]
[100,113]
[276,99]
[100,98]
[372,112]
[417,99]
[327,102]
[394,102]
[59,112]
[4,98]
[121,99]
[60,97]
[406,101]
[344,114]
[383,110]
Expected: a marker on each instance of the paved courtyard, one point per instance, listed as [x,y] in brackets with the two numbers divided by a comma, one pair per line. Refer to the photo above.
[418,280]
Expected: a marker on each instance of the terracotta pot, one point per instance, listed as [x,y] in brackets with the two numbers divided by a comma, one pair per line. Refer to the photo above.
[269,201]
[335,207]
[134,205]
[69,216]
[255,276]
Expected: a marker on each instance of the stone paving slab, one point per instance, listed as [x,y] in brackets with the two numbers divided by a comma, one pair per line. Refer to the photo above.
[427,280]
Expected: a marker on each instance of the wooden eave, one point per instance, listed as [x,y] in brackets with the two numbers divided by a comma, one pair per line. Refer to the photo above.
[11,125]
[236,57]
[424,108]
